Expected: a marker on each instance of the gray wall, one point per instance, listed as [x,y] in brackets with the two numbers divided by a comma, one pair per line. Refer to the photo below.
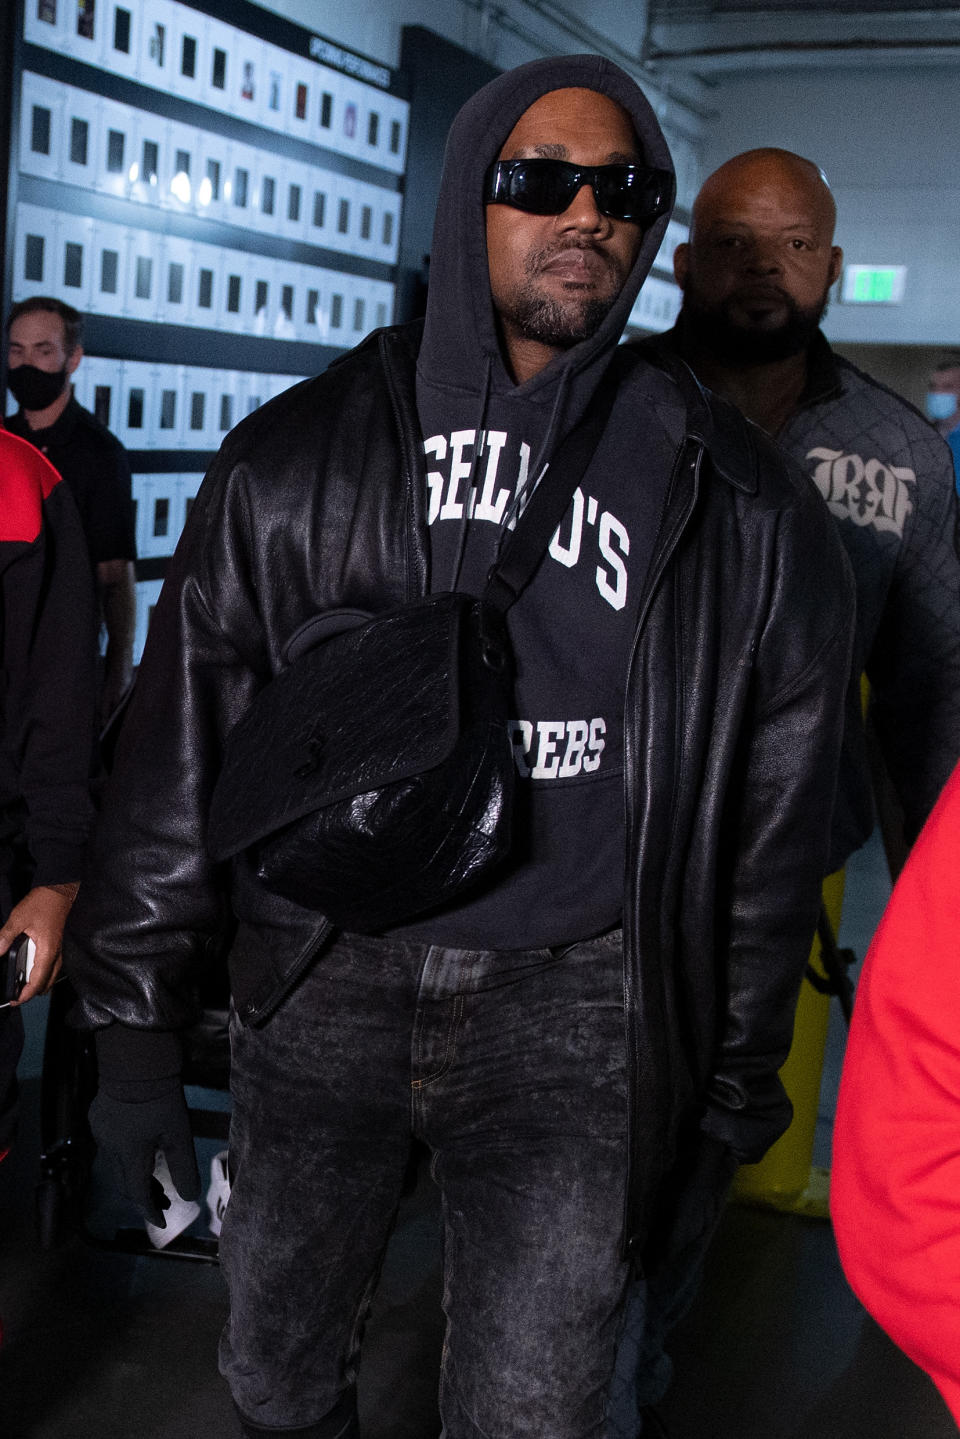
[374,26]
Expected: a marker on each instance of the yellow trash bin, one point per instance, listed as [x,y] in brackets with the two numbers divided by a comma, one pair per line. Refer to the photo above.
[785,1178]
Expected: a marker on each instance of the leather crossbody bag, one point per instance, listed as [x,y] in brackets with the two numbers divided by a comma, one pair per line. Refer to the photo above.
[373,778]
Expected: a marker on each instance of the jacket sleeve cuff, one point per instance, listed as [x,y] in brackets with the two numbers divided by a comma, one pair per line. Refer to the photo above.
[137,1064]
[58,864]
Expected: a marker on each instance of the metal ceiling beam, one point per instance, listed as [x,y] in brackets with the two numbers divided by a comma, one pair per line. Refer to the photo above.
[728,41]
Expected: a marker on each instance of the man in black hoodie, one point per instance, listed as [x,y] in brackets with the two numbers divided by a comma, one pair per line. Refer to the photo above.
[622,990]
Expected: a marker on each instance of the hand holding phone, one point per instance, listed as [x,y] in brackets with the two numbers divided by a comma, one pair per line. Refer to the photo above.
[15,967]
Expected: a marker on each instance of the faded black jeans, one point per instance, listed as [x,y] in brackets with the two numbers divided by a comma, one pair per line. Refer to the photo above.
[511,1067]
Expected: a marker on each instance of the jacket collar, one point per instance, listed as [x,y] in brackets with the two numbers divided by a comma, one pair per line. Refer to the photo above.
[57,433]
[823,374]
[712,422]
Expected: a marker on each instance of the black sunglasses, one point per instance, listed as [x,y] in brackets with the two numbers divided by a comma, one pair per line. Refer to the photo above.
[547,187]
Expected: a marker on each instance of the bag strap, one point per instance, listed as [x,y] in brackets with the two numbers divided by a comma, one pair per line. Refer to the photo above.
[548,504]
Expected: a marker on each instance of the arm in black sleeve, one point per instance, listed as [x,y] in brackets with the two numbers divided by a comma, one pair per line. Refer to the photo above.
[778,828]
[914,662]
[153,906]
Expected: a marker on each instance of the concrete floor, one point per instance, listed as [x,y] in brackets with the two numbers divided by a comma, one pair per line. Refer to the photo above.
[108,1345]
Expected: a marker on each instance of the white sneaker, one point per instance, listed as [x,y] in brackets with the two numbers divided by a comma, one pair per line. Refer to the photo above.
[178,1217]
[219,1192]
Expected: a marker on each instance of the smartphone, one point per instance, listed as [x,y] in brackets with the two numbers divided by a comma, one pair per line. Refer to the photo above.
[15,967]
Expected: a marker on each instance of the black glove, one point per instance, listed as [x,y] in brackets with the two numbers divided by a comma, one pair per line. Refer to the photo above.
[691,1203]
[140,1108]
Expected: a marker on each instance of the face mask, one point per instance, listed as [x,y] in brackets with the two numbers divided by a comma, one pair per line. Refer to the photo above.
[940,405]
[35,389]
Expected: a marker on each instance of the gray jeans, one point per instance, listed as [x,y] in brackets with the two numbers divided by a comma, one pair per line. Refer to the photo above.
[511,1068]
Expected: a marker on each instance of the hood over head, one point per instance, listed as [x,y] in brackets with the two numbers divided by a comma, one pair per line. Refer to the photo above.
[460,354]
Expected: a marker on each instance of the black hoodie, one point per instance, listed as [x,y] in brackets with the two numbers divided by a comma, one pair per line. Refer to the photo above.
[572,630]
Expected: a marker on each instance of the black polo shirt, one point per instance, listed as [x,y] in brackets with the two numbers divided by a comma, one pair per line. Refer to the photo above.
[96,468]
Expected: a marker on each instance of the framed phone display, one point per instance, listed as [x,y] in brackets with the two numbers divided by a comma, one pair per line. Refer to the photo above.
[219,191]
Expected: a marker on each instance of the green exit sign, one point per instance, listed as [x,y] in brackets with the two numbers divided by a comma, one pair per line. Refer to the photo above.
[873,284]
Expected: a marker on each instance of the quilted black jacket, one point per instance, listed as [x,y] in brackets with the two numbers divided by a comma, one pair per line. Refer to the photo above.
[734,709]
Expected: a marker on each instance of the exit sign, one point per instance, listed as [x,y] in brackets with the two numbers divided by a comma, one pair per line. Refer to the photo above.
[873,284]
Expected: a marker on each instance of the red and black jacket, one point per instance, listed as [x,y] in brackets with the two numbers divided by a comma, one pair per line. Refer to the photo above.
[47,666]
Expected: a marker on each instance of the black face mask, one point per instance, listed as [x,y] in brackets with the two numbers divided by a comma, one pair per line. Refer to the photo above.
[35,389]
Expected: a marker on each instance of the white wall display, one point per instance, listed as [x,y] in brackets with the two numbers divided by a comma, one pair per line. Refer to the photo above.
[188,30]
[45,23]
[122,43]
[176,49]
[148,592]
[142,212]
[657,305]
[677,234]
[156,46]
[41,128]
[110,259]
[164,279]
[95,143]
[165,414]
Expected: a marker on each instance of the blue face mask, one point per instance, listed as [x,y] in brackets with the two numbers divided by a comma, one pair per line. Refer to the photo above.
[940,405]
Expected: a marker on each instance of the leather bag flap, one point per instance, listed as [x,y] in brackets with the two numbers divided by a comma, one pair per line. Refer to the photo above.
[375,704]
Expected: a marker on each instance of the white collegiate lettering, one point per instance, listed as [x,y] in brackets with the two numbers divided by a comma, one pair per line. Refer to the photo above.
[612,586]
[568,554]
[868,492]
[452,508]
[549,733]
[523,475]
[612,531]
[490,504]
[564,748]
[488,507]
[585,528]
[595,744]
[578,732]
[436,446]
[521,737]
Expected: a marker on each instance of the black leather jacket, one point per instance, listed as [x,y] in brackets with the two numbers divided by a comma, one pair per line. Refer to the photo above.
[734,708]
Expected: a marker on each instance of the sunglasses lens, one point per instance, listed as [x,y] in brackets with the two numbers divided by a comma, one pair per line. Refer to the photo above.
[542,187]
[617,189]
[626,192]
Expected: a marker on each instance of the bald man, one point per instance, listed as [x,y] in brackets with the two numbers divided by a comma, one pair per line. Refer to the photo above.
[756,276]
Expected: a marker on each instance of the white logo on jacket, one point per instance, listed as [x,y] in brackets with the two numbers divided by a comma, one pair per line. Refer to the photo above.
[865,491]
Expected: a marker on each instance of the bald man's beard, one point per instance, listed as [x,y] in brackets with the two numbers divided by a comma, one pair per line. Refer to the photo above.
[711,327]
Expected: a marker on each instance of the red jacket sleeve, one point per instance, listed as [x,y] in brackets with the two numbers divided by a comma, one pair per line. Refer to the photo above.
[895,1178]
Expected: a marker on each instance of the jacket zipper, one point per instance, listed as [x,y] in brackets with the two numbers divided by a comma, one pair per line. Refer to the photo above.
[658,567]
